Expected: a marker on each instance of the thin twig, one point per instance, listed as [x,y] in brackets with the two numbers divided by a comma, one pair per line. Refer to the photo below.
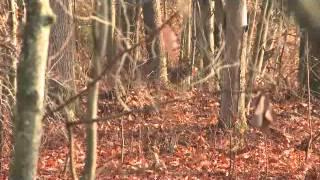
[309,96]
[145,109]
[72,154]
[122,141]
[72,161]
[106,69]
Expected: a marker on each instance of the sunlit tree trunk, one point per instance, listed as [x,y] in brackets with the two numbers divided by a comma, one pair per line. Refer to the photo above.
[14,30]
[30,90]
[243,72]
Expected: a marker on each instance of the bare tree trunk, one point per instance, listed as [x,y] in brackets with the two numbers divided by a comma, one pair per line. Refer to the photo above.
[30,90]
[130,27]
[185,50]
[61,51]
[205,32]
[263,30]
[219,32]
[220,22]
[136,35]
[194,40]
[2,124]
[260,43]
[274,43]
[14,30]
[111,18]
[306,13]
[243,82]
[302,61]
[157,64]
[230,75]
[61,62]
[100,33]
[251,27]
[314,56]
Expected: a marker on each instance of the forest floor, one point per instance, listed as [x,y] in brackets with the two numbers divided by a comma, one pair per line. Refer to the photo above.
[178,139]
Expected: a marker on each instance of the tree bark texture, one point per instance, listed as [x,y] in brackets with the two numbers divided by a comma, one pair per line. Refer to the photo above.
[62,41]
[205,33]
[260,42]
[253,17]
[61,51]
[230,74]
[14,33]
[100,33]
[30,90]
[157,65]
[185,50]
[220,22]
[243,81]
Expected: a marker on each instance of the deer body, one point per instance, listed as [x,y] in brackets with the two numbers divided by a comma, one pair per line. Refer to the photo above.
[263,114]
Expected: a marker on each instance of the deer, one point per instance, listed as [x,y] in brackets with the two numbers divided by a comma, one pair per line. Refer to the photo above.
[262,111]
